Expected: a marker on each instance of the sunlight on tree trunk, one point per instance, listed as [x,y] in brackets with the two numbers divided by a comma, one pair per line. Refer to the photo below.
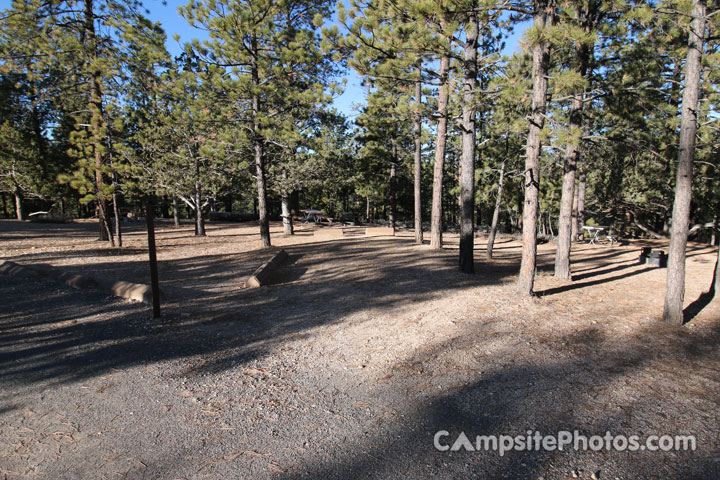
[542,20]
[439,167]
[675,293]
[496,213]
[288,228]
[19,214]
[176,212]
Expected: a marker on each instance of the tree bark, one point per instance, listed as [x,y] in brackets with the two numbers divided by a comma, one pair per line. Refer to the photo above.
[580,216]
[496,213]
[716,276]
[152,256]
[114,198]
[565,218]
[19,214]
[96,122]
[574,227]
[418,164]
[439,167]
[393,183]
[261,190]
[467,159]
[288,228]
[116,212]
[286,213]
[199,217]
[675,293]
[17,192]
[542,20]
[258,153]
[176,212]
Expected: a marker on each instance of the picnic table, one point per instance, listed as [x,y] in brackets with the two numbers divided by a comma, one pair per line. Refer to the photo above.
[594,232]
[312,215]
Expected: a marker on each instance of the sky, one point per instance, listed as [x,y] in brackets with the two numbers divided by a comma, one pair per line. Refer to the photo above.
[166,12]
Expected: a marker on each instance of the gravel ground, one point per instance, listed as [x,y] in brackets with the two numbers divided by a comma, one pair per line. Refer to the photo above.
[348,364]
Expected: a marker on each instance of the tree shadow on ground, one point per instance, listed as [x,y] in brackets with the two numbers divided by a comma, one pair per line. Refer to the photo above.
[569,392]
[54,335]
[80,334]
[589,273]
[600,281]
[324,282]
[209,313]
[697,306]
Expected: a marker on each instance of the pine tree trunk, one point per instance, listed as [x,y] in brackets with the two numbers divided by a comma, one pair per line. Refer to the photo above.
[565,219]
[367,209]
[496,213]
[17,192]
[96,122]
[199,218]
[566,222]
[574,226]
[393,183]
[542,20]
[418,165]
[581,189]
[286,213]
[585,56]
[467,159]
[118,223]
[116,212]
[176,211]
[675,293]
[288,228]
[19,214]
[104,223]
[261,191]
[259,157]
[439,167]
[716,276]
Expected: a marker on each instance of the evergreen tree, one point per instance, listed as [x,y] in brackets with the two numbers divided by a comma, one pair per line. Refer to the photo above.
[272,63]
[675,293]
[180,148]
[543,18]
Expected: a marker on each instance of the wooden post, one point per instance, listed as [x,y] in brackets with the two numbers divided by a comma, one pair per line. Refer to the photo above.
[154,282]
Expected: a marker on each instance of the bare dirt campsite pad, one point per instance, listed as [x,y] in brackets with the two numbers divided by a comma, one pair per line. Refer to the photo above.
[347,365]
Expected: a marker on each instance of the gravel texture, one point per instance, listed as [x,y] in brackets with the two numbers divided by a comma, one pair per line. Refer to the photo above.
[347,365]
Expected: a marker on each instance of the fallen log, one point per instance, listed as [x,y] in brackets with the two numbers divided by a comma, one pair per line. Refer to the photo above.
[261,275]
